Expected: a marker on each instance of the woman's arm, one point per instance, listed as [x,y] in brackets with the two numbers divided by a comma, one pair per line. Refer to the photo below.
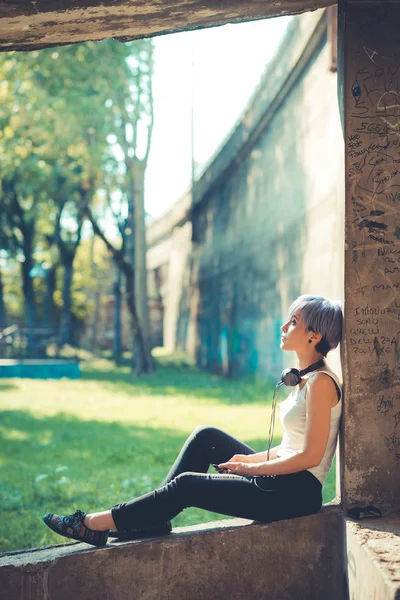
[258,457]
[318,416]
[263,456]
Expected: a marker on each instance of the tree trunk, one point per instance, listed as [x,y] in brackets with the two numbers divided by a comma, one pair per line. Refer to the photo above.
[49,319]
[27,280]
[140,267]
[67,252]
[3,314]
[96,317]
[117,346]
[30,306]
[66,320]
[142,361]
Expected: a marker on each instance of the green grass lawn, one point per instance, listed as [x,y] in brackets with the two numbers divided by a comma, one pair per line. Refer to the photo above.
[108,437]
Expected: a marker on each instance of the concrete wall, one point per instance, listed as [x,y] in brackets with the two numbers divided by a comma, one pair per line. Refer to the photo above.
[168,251]
[371,84]
[268,212]
[298,558]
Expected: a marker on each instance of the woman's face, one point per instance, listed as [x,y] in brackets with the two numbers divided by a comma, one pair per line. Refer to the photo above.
[295,335]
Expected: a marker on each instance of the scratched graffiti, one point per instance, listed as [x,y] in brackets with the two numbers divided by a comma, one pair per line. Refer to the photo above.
[373,234]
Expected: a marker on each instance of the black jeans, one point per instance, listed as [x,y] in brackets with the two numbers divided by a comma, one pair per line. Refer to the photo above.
[188,484]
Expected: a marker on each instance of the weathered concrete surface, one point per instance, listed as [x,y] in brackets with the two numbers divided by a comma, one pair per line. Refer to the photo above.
[373,559]
[26,25]
[40,369]
[264,209]
[297,558]
[371,84]
[169,241]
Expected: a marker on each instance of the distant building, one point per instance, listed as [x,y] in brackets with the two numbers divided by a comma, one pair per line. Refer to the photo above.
[266,219]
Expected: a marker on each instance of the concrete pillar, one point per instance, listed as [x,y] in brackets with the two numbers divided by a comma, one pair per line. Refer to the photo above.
[369,90]
[180,247]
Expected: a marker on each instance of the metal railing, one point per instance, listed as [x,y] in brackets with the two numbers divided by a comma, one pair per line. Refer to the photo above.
[18,342]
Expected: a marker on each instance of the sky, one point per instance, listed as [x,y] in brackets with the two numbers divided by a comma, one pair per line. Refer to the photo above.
[216,68]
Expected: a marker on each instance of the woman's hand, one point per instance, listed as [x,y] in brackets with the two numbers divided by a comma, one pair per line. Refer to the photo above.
[238,467]
[242,458]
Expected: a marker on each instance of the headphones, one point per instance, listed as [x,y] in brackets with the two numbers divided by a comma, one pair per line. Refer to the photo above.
[292,377]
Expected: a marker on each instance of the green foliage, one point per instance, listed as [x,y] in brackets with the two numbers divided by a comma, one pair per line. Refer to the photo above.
[94,270]
[63,113]
[106,438]
[12,289]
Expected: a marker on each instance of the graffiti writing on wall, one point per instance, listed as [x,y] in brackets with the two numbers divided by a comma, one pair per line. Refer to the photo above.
[373,165]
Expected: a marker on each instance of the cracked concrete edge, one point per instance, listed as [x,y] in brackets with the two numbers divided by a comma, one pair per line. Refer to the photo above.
[45,554]
[27,26]
[193,563]
[373,558]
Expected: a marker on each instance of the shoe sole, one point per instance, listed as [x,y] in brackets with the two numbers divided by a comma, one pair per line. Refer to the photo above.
[73,537]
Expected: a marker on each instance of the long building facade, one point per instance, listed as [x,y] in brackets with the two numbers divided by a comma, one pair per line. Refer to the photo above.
[264,223]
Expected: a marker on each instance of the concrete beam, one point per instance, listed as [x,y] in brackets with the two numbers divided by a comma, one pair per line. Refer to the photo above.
[26,25]
[297,558]
[373,563]
[162,227]
[370,86]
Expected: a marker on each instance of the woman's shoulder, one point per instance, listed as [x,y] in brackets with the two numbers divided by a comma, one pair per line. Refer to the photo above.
[327,371]
[326,374]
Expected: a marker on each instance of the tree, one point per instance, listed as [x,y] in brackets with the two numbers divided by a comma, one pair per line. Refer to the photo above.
[143,362]
[133,110]
[37,133]
[129,105]
[70,126]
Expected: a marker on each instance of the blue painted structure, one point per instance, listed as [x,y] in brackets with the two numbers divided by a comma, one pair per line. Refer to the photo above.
[40,369]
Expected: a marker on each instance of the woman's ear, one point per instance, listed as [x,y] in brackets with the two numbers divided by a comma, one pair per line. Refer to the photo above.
[316,337]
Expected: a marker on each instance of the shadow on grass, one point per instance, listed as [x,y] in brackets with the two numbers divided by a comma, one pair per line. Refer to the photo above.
[189,382]
[61,463]
[7,387]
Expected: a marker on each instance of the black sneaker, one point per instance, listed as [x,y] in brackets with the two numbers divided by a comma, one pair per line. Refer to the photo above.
[364,512]
[72,526]
[136,533]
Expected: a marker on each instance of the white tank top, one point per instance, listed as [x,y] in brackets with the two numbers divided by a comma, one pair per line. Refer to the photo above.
[293,419]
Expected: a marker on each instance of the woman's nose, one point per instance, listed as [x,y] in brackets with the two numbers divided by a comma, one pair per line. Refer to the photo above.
[283,327]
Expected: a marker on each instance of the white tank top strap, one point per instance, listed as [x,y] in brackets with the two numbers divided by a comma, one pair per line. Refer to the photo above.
[335,379]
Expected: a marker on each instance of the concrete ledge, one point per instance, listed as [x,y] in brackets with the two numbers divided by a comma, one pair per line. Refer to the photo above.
[237,559]
[373,558]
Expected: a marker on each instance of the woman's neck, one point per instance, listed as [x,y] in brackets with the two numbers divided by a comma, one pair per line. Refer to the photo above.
[305,360]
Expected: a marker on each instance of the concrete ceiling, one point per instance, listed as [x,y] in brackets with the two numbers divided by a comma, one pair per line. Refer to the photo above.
[34,24]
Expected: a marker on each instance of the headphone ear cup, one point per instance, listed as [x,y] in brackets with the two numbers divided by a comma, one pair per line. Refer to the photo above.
[290,377]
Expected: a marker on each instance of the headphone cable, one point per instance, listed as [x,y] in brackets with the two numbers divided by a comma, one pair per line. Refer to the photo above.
[272,419]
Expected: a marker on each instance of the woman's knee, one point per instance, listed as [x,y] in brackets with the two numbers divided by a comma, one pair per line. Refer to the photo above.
[185,486]
[183,480]
[205,431]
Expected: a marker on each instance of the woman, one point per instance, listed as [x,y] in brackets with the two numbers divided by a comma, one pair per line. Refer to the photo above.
[265,486]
